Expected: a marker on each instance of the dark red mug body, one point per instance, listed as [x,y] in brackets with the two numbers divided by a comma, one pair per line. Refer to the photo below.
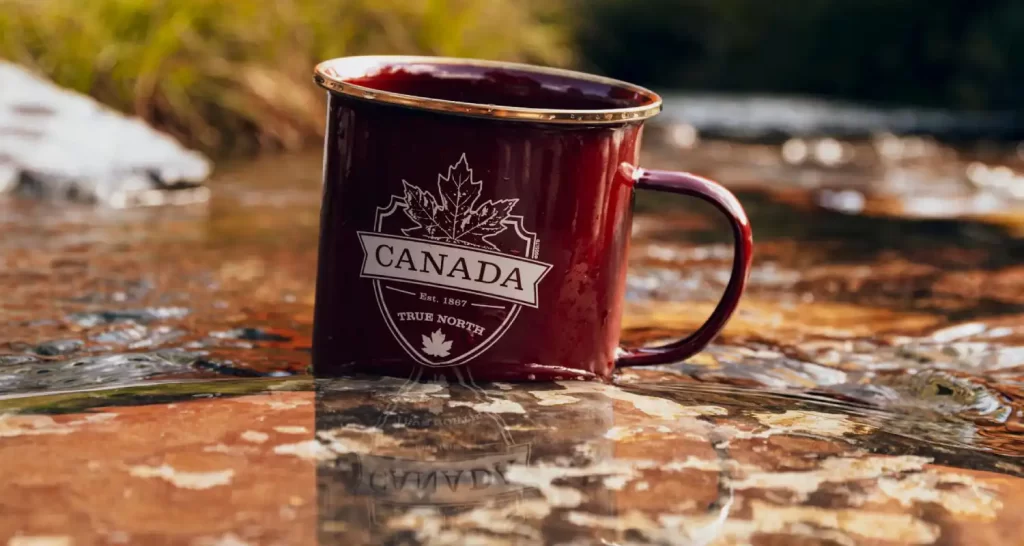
[472,246]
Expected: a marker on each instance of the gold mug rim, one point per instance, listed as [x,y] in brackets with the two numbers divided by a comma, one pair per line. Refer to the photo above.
[327,77]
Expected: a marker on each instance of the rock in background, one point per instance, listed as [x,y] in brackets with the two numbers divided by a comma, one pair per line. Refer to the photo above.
[59,145]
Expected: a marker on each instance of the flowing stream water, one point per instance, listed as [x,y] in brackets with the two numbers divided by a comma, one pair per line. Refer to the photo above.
[884,318]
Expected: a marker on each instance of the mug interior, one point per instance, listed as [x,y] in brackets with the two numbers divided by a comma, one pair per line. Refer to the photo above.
[483,87]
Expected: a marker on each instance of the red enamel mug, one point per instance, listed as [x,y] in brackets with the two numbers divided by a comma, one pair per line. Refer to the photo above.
[476,220]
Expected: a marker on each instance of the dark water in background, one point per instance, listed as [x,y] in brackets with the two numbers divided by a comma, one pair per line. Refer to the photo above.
[762,116]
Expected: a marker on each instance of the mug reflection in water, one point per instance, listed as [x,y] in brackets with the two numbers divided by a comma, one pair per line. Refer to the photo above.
[414,448]
[426,459]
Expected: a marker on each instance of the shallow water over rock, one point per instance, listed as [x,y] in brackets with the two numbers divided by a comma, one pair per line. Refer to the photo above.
[868,390]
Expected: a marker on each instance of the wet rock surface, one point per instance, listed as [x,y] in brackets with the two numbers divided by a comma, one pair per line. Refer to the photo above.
[153,365]
[56,145]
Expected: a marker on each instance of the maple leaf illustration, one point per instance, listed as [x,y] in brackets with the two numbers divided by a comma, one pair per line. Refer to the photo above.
[422,208]
[455,217]
[436,344]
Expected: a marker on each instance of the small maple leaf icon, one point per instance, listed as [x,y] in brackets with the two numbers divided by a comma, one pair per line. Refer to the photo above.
[436,345]
[454,216]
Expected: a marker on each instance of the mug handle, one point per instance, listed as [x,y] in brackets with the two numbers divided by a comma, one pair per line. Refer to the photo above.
[726,202]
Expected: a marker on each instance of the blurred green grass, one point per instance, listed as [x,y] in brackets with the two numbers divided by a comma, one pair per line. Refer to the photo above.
[235,75]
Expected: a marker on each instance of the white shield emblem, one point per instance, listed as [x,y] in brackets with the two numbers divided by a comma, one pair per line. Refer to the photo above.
[451,271]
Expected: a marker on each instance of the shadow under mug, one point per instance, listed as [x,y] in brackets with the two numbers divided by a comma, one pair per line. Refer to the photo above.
[476,219]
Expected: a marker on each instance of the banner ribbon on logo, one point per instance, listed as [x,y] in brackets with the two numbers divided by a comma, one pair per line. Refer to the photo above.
[500,276]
